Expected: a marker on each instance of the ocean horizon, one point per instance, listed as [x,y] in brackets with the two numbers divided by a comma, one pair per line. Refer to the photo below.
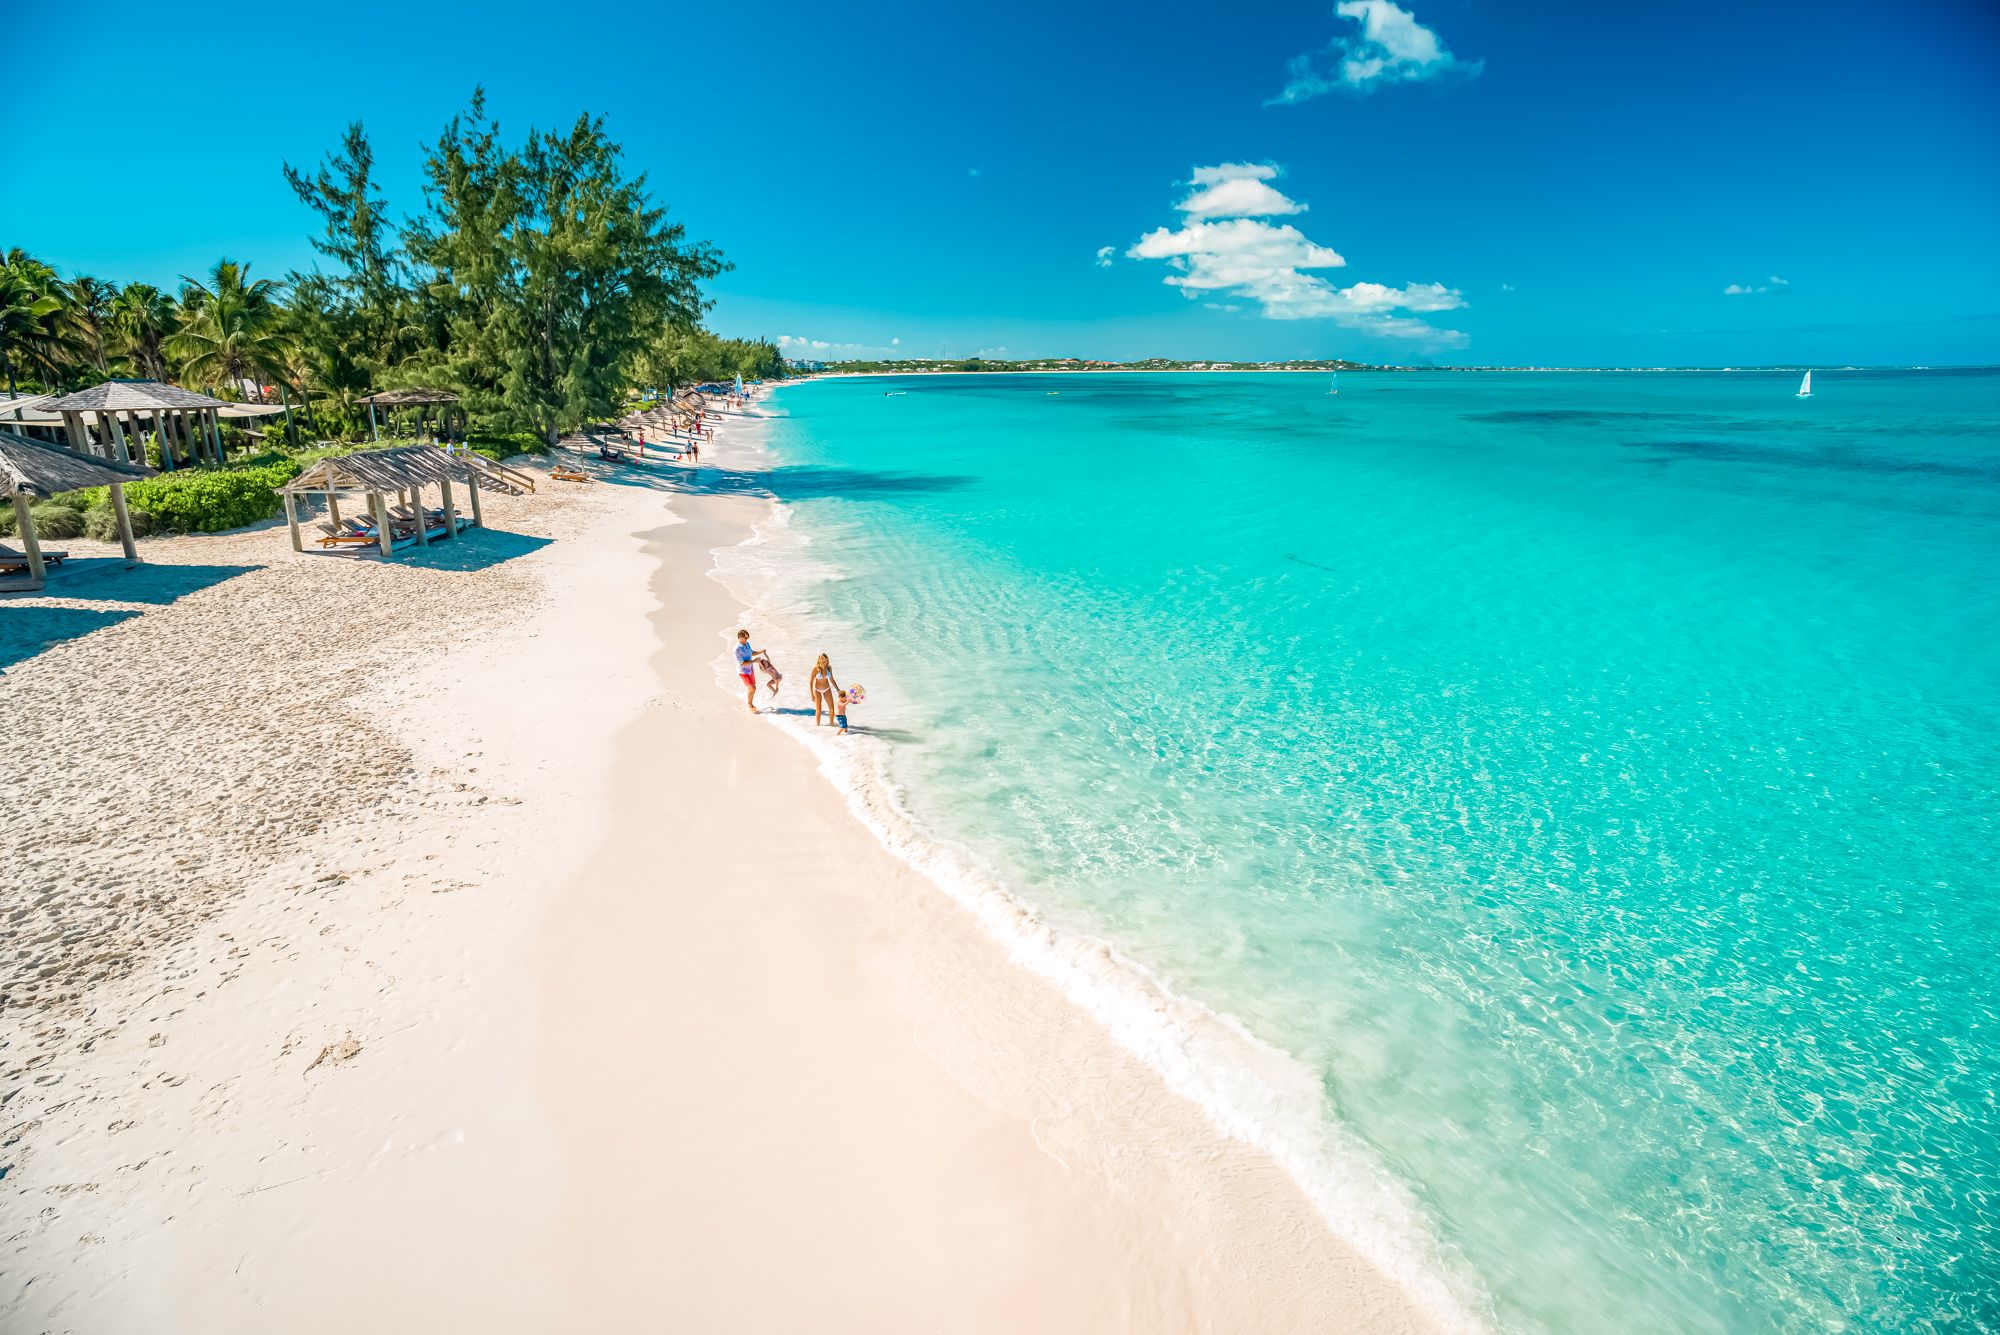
[1553,813]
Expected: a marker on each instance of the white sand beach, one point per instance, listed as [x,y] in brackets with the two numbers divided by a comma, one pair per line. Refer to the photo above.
[433,945]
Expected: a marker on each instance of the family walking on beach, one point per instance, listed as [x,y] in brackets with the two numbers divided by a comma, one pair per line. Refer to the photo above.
[830,700]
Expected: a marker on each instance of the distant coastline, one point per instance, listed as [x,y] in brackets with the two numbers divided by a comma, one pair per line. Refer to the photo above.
[976,366]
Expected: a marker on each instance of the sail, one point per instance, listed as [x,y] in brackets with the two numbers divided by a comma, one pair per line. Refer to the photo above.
[1805,386]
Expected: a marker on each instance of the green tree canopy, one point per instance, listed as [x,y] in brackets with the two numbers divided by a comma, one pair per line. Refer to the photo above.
[229,327]
[557,269]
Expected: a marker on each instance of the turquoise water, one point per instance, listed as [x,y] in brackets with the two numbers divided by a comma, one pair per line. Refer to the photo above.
[1591,779]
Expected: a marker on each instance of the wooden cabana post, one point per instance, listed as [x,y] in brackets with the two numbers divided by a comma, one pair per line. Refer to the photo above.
[24,525]
[124,518]
[32,470]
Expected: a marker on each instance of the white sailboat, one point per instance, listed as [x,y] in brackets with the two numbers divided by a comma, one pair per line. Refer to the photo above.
[1336,384]
[1805,386]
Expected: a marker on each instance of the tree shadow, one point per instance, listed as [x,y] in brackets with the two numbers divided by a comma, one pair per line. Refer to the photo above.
[28,631]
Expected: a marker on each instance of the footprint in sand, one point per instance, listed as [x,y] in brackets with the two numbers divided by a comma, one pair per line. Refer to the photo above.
[334,1054]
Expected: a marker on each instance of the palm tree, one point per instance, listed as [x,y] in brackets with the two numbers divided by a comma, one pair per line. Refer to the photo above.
[31,334]
[87,306]
[229,328]
[142,318]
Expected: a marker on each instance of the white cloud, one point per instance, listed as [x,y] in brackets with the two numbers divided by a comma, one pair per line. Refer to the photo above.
[1104,254]
[1273,265]
[1506,287]
[1750,290]
[972,171]
[1391,47]
[895,342]
[1239,198]
[1234,171]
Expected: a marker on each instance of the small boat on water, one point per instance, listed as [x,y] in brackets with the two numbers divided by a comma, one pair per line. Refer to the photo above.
[1335,388]
[1805,386]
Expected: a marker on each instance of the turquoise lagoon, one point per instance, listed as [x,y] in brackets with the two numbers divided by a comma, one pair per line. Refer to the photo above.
[1588,782]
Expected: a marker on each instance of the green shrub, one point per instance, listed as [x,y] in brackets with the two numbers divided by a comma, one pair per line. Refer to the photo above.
[211,500]
[102,523]
[57,521]
[501,446]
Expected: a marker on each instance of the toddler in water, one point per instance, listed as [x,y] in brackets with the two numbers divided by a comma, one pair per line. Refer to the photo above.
[771,674]
[840,716]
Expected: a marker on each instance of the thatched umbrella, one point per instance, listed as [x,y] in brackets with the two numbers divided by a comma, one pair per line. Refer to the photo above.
[32,470]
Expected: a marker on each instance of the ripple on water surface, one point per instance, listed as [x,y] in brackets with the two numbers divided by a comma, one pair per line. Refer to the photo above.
[1589,781]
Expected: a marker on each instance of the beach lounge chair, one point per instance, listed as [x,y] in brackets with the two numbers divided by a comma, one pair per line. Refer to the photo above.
[13,560]
[347,531]
[564,473]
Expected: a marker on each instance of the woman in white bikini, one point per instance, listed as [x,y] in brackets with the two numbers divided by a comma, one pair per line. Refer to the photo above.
[825,690]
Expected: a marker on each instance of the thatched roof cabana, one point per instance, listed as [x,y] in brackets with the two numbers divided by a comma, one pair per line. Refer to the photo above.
[401,473]
[408,398]
[125,396]
[32,470]
[179,416]
[405,398]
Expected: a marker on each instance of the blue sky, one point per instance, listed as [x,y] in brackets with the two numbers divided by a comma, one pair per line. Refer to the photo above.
[1500,181]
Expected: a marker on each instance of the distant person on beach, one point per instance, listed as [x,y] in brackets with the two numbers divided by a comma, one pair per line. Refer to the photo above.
[746,668]
[824,688]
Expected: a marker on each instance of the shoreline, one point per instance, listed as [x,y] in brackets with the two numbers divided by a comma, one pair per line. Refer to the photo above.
[933,948]
[1245,1089]
[471,1037]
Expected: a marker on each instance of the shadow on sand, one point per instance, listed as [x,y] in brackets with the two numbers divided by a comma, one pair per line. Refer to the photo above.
[30,626]
[28,631]
[106,579]
[474,549]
